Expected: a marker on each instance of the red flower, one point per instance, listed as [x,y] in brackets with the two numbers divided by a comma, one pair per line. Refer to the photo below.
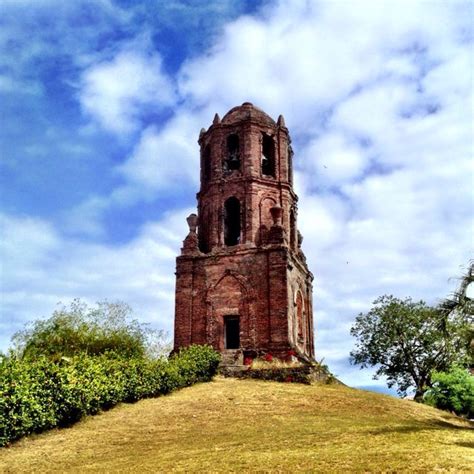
[289,378]
[268,357]
[248,361]
[291,353]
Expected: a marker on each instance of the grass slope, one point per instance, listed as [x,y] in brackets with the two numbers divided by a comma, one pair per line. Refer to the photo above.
[249,425]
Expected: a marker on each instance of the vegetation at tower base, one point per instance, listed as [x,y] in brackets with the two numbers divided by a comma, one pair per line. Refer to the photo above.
[408,340]
[74,364]
[291,370]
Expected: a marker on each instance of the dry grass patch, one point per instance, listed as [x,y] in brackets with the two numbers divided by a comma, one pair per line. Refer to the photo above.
[250,425]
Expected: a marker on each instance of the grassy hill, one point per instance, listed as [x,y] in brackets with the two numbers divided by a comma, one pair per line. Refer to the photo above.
[249,425]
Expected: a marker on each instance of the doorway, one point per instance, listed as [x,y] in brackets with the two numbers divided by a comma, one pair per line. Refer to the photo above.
[231,332]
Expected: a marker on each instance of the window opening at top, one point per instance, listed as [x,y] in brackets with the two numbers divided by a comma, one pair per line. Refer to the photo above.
[206,158]
[232,221]
[268,155]
[232,161]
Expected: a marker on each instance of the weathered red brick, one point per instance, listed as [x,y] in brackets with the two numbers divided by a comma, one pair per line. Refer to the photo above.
[258,273]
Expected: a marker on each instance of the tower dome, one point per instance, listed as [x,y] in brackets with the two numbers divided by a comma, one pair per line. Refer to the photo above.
[247,111]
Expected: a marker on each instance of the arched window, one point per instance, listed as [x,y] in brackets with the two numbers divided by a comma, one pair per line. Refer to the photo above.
[232,161]
[232,221]
[206,163]
[203,229]
[268,155]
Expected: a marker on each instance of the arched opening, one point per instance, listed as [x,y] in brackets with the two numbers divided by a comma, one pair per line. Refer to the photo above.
[203,230]
[299,314]
[232,221]
[232,161]
[268,155]
[206,163]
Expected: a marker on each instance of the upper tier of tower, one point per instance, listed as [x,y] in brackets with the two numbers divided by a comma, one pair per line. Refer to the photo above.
[246,171]
[245,143]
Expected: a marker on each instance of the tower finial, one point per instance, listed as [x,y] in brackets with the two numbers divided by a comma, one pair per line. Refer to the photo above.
[190,244]
[216,120]
[281,121]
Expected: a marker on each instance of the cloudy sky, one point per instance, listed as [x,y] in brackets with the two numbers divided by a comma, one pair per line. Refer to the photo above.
[101,106]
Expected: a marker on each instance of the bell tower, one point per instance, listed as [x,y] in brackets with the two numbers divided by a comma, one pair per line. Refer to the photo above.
[242,283]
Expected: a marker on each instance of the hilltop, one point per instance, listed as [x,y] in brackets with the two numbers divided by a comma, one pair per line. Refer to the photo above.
[250,425]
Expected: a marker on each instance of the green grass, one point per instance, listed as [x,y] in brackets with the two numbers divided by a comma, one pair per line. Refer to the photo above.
[250,425]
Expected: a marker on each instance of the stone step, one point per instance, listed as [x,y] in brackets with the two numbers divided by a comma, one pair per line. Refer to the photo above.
[231,357]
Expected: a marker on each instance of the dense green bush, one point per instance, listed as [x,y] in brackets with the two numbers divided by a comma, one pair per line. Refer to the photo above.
[453,391]
[39,394]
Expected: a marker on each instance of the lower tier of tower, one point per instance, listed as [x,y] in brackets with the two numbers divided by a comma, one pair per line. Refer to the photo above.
[257,301]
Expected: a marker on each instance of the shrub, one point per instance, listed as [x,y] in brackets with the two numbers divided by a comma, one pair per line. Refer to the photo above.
[196,363]
[452,390]
[43,393]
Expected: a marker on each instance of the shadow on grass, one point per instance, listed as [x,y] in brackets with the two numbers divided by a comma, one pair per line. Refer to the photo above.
[465,444]
[434,425]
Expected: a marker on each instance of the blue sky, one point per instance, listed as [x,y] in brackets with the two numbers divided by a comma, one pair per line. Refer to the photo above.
[101,106]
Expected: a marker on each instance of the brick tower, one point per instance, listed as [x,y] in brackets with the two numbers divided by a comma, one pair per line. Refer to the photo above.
[242,283]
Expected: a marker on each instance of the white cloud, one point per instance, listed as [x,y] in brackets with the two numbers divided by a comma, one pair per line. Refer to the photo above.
[119,92]
[86,218]
[41,268]
[377,97]
[334,158]
[385,182]
[165,157]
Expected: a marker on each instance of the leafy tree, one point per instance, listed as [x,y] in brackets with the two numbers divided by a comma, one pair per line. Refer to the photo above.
[460,305]
[452,390]
[407,340]
[461,300]
[108,327]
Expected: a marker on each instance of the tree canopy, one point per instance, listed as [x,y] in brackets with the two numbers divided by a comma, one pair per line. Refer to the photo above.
[460,306]
[407,340]
[108,327]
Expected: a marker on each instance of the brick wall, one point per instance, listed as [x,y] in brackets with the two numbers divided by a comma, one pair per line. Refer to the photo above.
[258,279]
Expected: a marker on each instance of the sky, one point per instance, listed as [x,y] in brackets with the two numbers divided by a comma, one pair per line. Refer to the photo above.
[101,106]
